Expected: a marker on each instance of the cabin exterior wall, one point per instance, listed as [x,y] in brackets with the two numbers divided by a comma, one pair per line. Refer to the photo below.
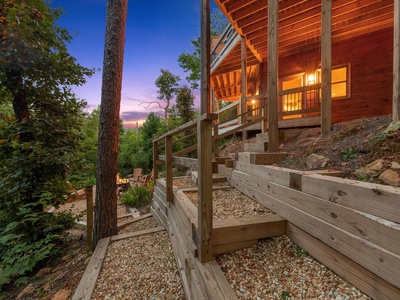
[370,58]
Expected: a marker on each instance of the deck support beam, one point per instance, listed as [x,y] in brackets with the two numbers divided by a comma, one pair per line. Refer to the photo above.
[243,118]
[205,183]
[205,57]
[263,91]
[396,63]
[273,24]
[326,67]
[204,146]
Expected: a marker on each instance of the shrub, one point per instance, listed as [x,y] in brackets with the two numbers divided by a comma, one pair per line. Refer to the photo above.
[136,196]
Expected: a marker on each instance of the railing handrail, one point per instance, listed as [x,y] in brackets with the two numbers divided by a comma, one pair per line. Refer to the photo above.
[228,28]
[229,106]
[300,89]
[189,125]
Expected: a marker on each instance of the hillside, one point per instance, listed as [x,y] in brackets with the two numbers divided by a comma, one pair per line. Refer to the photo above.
[350,146]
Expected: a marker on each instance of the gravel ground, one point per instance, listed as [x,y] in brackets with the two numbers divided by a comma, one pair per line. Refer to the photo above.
[142,267]
[140,225]
[275,268]
[230,203]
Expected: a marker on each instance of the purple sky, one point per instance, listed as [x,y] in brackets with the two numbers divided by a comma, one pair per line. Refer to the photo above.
[157,33]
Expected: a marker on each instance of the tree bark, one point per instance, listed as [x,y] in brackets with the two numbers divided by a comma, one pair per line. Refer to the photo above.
[105,221]
[19,101]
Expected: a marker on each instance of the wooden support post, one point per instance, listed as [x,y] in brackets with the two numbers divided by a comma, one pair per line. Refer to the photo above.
[263,91]
[89,211]
[155,159]
[273,24]
[243,108]
[396,63]
[326,67]
[168,168]
[205,183]
[216,141]
[205,57]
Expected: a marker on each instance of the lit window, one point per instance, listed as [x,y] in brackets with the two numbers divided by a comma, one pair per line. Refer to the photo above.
[340,82]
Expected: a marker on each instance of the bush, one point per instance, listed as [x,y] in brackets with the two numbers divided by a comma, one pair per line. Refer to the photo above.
[137,196]
[27,242]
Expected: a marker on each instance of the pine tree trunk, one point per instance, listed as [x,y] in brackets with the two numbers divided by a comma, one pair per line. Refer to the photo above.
[105,221]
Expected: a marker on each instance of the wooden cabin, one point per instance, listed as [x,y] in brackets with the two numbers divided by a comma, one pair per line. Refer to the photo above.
[356,45]
[288,64]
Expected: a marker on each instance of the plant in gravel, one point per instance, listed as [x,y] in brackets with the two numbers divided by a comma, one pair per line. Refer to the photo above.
[348,153]
[377,138]
[136,196]
[290,162]
[285,295]
[299,251]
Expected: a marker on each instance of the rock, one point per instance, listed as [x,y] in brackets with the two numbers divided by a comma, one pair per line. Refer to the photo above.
[315,161]
[376,166]
[395,165]
[394,126]
[390,177]
[42,272]
[62,294]
[27,290]
[370,169]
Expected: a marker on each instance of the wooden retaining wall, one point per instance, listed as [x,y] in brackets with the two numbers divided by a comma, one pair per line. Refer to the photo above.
[351,227]
[200,281]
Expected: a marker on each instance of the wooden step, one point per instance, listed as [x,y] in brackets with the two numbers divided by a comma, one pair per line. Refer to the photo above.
[262,137]
[259,147]
[221,159]
[261,158]
[238,233]
[216,177]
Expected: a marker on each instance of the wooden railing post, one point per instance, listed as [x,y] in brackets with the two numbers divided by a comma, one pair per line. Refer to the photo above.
[89,212]
[326,67]
[155,161]
[205,207]
[396,63]
[168,167]
[216,140]
[273,24]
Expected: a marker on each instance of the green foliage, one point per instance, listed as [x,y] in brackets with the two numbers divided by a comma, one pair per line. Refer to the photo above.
[285,295]
[136,196]
[374,140]
[28,240]
[184,104]
[39,145]
[167,84]
[190,62]
[299,252]
[83,166]
[348,153]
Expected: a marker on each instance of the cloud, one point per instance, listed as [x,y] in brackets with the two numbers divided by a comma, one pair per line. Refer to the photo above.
[134,115]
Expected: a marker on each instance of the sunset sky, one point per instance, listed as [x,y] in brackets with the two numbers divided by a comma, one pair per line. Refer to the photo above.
[157,33]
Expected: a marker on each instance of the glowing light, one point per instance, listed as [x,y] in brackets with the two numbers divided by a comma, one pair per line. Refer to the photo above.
[311,79]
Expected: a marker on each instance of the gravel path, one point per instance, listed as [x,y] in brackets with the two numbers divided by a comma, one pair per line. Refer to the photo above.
[142,267]
[275,268]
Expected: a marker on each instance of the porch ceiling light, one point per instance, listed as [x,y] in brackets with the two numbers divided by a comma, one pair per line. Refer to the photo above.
[311,79]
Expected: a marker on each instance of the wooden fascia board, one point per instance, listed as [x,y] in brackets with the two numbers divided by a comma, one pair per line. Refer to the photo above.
[238,30]
[225,53]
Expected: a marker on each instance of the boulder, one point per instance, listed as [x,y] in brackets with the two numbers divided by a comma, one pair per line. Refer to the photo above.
[390,177]
[394,126]
[371,169]
[315,161]
[395,165]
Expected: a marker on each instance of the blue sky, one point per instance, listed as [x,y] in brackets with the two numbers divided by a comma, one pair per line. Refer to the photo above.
[157,33]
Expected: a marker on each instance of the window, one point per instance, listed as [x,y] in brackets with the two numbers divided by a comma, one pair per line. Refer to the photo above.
[340,82]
